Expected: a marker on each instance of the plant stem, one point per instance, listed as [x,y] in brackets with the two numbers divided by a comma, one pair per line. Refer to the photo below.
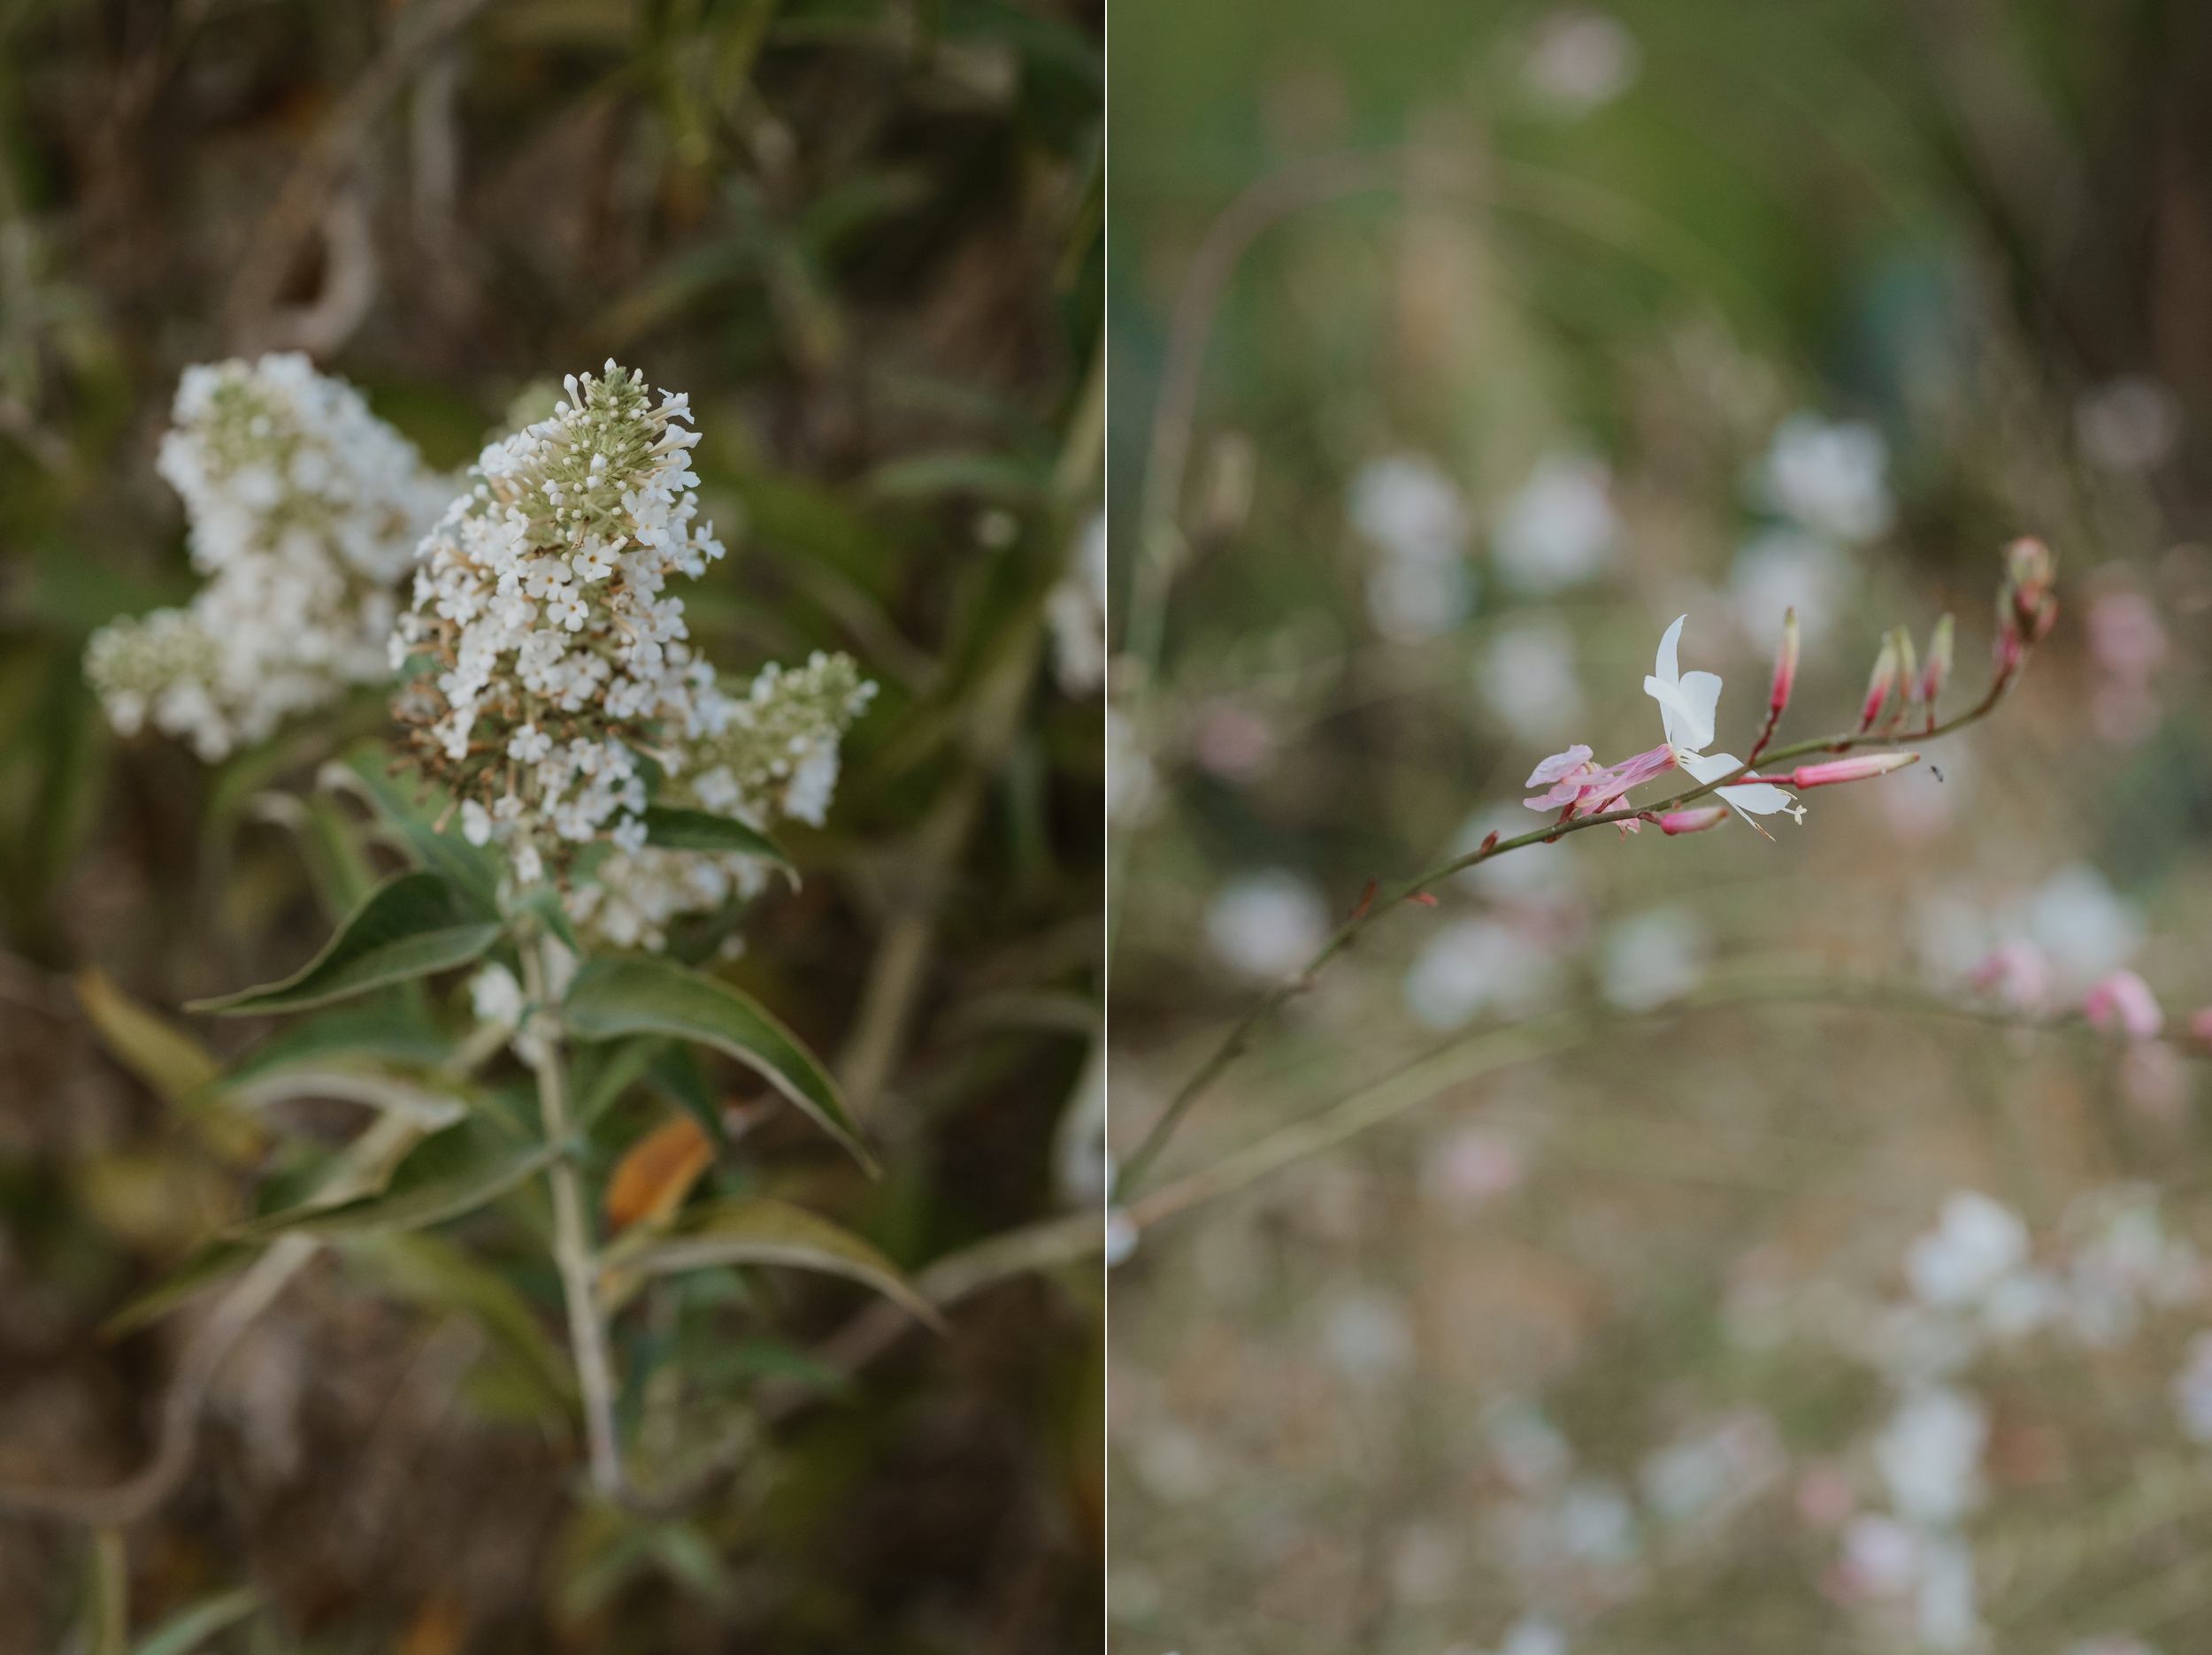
[1233,1046]
[571,1241]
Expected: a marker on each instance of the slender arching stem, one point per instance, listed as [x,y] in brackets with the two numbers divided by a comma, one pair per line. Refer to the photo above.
[1233,1044]
[571,1238]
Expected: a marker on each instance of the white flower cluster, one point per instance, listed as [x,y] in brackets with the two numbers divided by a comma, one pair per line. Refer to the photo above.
[1974,1281]
[775,757]
[305,510]
[554,648]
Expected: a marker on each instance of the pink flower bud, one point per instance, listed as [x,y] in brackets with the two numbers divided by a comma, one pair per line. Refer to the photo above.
[1940,646]
[1693,821]
[2030,569]
[1863,768]
[1784,664]
[1879,684]
[2123,1002]
[2017,973]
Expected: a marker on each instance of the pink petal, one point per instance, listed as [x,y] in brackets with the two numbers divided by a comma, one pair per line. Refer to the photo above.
[1559,764]
[2124,1001]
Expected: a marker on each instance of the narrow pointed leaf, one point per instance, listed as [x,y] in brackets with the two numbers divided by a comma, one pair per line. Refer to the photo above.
[460,1179]
[165,1057]
[189,1628]
[417,923]
[473,868]
[674,828]
[384,1029]
[210,1262]
[613,998]
[763,1231]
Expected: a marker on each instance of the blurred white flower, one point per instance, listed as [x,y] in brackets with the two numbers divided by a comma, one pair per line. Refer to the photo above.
[1713,1471]
[1267,924]
[1410,600]
[2128,425]
[1945,1613]
[1527,1447]
[1784,569]
[1476,965]
[1409,508]
[1412,514]
[1977,1243]
[1471,1167]
[1930,1454]
[496,997]
[1560,528]
[1131,780]
[1533,1634]
[1231,741]
[1075,610]
[1654,958]
[1881,1558]
[2121,1261]
[304,509]
[1367,1335]
[1581,59]
[1527,677]
[2192,1391]
[1595,1523]
[1538,874]
[2083,927]
[1830,479]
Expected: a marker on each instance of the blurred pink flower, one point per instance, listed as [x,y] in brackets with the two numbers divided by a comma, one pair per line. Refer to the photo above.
[2017,973]
[2200,1025]
[1231,741]
[2123,1002]
[2124,635]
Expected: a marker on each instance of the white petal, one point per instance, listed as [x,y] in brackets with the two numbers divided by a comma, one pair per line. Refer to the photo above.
[1666,669]
[1749,797]
[1677,714]
[1700,692]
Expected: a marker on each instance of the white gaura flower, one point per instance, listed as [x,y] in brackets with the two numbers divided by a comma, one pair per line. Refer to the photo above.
[1687,704]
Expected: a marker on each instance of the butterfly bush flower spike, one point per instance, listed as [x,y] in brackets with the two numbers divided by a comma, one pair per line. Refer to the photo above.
[547,649]
[305,509]
[776,759]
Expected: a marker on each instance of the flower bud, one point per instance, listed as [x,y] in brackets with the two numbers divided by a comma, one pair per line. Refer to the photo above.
[1880,683]
[2030,569]
[2122,1003]
[1864,767]
[1908,670]
[1938,667]
[1784,664]
[1693,821]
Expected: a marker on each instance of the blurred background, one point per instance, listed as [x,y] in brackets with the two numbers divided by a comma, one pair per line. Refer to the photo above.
[1648,1313]
[865,239]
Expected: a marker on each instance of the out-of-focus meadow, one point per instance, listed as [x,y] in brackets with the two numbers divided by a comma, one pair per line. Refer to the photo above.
[1706,1241]
[864,238]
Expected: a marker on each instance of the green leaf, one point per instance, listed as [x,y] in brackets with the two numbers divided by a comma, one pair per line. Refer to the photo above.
[759,1231]
[432,1272]
[197,1622]
[190,1627]
[417,923]
[613,998]
[453,1172]
[603,1074]
[701,829]
[157,1050]
[433,1103]
[385,1028]
[366,772]
[210,1262]
[544,902]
